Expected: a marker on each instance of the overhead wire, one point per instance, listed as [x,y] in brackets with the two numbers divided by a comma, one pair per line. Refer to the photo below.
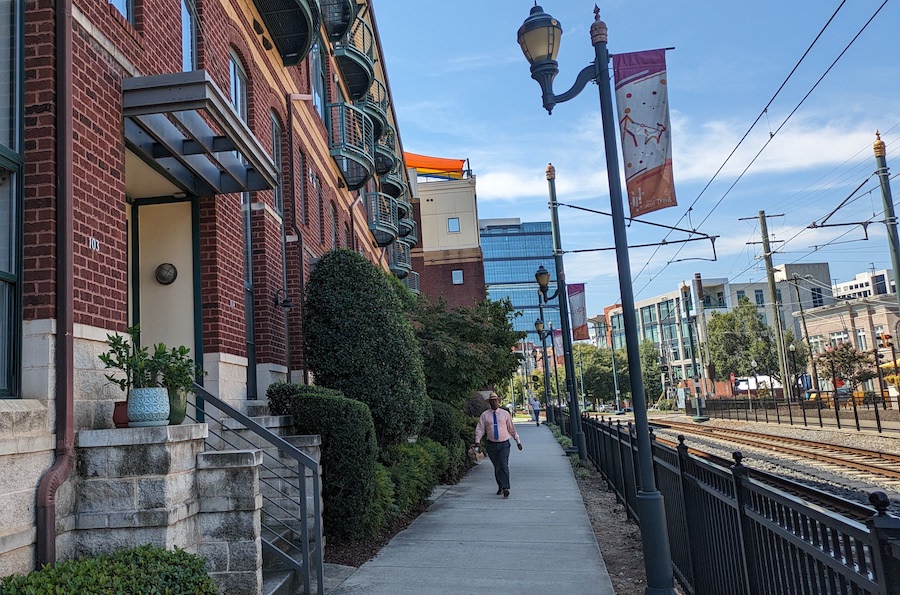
[768,141]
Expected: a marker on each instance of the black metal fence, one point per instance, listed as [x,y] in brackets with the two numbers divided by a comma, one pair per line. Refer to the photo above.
[868,412]
[731,534]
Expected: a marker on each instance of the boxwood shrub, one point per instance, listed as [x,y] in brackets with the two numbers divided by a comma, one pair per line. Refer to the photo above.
[349,454]
[412,471]
[139,571]
[358,340]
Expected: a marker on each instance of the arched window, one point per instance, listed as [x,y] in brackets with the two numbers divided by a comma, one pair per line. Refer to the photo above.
[276,160]
[334,227]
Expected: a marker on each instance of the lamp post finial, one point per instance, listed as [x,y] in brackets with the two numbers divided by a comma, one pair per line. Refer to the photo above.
[598,28]
[878,146]
[551,172]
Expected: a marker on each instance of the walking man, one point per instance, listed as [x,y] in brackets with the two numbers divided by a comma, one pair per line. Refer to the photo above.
[536,410]
[496,427]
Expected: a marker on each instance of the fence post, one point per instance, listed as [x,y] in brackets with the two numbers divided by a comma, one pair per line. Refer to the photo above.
[739,473]
[621,470]
[886,531]
[687,507]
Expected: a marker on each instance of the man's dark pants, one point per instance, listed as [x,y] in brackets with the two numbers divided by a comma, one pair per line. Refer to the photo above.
[499,455]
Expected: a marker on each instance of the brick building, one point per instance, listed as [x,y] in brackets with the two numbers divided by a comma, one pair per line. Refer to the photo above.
[448,262]
[181,165]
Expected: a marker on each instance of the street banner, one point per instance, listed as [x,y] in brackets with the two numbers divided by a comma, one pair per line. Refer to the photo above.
[578,312]
[642,101]
[557,343]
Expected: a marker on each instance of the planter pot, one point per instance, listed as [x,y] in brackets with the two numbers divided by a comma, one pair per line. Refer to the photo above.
[148,407]
[177,406]
[120,414]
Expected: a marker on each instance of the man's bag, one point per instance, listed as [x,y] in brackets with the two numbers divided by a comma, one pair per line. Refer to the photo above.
[475,456]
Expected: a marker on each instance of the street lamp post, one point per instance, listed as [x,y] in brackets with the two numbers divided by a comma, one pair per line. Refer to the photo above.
[542,276]
[539,38]
[793,377]
[539,327]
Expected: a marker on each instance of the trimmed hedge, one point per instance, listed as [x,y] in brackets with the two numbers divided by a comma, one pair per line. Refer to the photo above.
[137,571]
[358,340]
[349,453]
[412,470]
[453,430]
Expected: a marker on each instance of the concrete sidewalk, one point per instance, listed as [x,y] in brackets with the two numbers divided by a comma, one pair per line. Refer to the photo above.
[471,541]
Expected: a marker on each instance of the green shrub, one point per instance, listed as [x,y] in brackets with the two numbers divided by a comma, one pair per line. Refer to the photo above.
[440,456]
[383,508]
[359,341]
[411,468]
[349,453]
[141,570]
[564,441]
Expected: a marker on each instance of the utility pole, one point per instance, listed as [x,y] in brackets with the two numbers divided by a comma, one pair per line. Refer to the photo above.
[702,336]
[773,295]
[812,360]
[890,220]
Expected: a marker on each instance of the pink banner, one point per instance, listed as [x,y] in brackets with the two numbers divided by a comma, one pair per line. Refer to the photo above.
[557,343]
[578,312]
[642,100]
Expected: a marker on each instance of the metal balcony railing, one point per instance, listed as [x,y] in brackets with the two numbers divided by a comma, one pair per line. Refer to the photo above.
[375,104]
[355,55]
[411,281]
[385,151]
[382,216]
[399,260]
[337,16]
[290,483]
[352,143]
[409,231]
[392,183]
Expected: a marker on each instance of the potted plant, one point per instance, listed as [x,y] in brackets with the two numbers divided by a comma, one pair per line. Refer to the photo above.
[177,373]
[147,399]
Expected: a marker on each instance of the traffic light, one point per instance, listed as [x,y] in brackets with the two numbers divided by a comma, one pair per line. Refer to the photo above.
[885,340]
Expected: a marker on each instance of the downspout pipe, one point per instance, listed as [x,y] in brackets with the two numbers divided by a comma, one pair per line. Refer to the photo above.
[291,98]
[65,296]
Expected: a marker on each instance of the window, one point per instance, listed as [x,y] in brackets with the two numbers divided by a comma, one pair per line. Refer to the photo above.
[9,257]
[305,182]
[861,342]
[318,79]
[10,91]
[334,227]
[188,35]
[239,87]
[741,294]
[125,8]
[457,276]
[317,187]
[276,160]
[817,299]
[760,298]
[817,344]
[453,224]
[838,338]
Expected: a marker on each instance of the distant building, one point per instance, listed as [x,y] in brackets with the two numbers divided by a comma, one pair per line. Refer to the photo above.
[513,251]
[448,260]
[660,318]
[866,284]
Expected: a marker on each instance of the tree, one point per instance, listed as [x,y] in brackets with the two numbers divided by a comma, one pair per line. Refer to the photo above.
[650,372]
[358,340]
[847,363]
[465,349]
[738,337]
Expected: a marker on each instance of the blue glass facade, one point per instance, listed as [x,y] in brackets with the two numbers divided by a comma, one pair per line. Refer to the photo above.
[512,254]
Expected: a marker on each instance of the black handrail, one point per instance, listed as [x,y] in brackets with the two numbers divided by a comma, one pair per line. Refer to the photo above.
[309,556]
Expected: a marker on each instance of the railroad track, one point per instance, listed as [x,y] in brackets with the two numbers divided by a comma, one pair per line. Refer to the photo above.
[876,465]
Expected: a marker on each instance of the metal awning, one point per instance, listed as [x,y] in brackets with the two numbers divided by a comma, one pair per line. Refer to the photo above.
[186,129]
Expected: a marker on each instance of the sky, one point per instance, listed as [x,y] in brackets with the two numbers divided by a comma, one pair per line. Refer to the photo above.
[462,89]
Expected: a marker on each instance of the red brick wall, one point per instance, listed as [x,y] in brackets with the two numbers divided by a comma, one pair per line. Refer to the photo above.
[437,282]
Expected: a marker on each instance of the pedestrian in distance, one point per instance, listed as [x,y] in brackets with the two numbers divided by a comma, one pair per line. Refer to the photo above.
[496,426]
[536,410]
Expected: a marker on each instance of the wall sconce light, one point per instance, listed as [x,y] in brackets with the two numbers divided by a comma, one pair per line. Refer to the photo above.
[266,43]
[282,300]
[166,273]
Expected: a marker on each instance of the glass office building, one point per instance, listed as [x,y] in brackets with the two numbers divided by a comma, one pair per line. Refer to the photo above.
[513,251]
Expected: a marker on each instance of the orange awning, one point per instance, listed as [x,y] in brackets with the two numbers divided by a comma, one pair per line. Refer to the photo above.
[435,166]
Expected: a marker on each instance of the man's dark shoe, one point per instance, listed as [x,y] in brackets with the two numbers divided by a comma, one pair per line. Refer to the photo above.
[499,491]
[506,493]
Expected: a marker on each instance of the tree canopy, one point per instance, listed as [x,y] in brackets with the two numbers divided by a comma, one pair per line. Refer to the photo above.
[359,341]
[847,363]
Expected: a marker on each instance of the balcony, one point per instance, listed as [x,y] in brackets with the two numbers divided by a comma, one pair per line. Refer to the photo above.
[382,217]
[399,260]
[352,145]
[293,26]
[404,209]
[385,152]
[411,281]
[409,231]
[355,55]
[375,104]
[337,16]
[392,183]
